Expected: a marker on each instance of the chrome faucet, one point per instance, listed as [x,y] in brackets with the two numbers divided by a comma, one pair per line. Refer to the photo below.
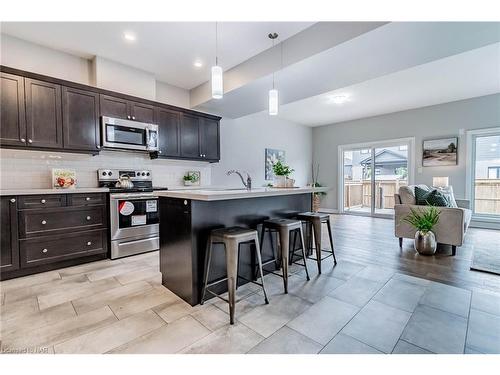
[247,184]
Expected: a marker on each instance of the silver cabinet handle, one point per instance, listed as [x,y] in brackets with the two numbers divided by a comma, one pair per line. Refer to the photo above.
[87,199]
[42,201]
[44,222]
[89,243]
[133,117]
[30,141]
[128,117]
[88,218]
[44,251]
[160,151]
[13,200]
[98,147]
[23,140]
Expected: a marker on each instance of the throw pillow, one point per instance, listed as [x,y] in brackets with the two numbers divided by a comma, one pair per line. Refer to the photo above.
[448,193]
[433,198]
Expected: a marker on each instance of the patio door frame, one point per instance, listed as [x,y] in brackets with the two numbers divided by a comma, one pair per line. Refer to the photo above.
[470,171]
[410,141]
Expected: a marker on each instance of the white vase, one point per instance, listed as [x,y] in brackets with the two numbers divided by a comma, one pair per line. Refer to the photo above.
[279,181]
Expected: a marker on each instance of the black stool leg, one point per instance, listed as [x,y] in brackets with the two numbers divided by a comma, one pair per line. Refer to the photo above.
[207,268]
[317,241]
[232,250]
[292,251]
[302,243]
[331,240]
[284,235]
[259,261]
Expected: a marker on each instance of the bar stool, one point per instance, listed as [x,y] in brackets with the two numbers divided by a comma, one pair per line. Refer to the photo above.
[316,219]
[284,227]
[231,238]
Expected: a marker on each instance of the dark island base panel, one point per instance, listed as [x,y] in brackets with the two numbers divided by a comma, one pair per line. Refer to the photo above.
[6,275]
[184,229]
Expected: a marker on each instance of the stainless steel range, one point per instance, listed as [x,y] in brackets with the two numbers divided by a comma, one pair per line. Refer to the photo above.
[134,215]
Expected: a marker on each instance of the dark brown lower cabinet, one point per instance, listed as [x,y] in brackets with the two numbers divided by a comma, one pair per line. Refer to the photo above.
[45,232]
[9,247]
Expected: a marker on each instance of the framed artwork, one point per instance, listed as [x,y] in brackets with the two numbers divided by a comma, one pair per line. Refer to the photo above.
[272,156]
[440,152]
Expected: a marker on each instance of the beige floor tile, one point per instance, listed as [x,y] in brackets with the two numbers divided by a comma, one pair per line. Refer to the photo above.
[27,281]
[111,336]
[141,274]
[55,286]
[287,341]
[130,305]
[150,257]
[18,309]
[114,270]
[173,310]
[167,339]
[38,319]
[155,280]
[60,331]
[87,268]
[211,317]
[228,339]
[78,291]
[97,300]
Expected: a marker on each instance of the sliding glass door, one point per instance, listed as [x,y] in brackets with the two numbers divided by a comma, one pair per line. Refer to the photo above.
[372,174]
[486,172]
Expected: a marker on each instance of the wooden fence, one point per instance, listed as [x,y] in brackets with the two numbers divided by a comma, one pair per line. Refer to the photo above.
[487,196]
[358,193]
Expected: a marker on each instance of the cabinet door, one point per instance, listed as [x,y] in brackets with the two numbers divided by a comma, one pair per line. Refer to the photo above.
[210,139]
[142,112]
[169,127]
[13,120]
[9,247]
[190,137]
[80,119]
[43,114]
[114,107]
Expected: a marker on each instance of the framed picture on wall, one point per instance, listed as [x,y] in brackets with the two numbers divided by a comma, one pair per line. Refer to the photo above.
[440,152]
[272,156]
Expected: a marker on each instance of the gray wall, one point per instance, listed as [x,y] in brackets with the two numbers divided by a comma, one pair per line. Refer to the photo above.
[422,123]
[243,144]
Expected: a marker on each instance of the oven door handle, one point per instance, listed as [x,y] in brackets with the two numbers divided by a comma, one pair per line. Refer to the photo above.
[135,198]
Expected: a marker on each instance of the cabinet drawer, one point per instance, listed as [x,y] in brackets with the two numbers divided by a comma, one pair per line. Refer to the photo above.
[53,221]
[86,199]
[41,201]
[51,249]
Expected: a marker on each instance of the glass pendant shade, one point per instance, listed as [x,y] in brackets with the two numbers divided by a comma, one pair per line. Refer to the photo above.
[217,82]
[273,102]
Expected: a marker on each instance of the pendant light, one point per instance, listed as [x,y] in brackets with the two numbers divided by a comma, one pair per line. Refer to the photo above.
[217,80]
[273,93]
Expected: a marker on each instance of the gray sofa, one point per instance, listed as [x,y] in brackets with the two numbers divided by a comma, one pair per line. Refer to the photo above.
[450,229]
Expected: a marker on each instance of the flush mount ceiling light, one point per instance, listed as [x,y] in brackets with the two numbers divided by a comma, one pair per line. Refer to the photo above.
[198,64]
[217,79]
[339,99]
[128,36]
[273,93]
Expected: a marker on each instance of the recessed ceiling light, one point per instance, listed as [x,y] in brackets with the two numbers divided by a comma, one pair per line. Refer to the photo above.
[129,36]
[198,64]
[339,99]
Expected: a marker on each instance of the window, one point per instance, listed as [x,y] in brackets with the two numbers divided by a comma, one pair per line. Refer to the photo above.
[365,151]
[403,148]
[494,172]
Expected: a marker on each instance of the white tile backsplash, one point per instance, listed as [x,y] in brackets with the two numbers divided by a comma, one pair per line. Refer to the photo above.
[32,169]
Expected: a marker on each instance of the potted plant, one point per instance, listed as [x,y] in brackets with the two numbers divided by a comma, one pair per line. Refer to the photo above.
[281,172]
[423,221]
[317,195]
[191,178]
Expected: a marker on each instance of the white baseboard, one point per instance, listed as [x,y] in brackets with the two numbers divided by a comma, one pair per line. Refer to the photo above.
[484,224]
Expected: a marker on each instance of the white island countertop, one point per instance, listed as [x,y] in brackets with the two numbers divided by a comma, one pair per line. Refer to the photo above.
[236,193]
[27,191]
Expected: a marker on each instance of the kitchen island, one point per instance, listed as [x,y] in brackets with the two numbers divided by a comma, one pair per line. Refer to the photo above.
[188,216]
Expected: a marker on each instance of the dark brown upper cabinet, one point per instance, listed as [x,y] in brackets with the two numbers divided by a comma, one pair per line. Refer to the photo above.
[9,247]
[114,107]
[190,136]
[126,109]
[43,114]
[169,131]
[13,115]
[209,135]
[80,119]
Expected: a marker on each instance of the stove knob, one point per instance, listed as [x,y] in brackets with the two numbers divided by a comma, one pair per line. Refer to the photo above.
[110,173]
[147,174]
[104,173]
[143,173]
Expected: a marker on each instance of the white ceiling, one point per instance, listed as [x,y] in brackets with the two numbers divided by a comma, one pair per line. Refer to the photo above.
[166,49]
[466,75]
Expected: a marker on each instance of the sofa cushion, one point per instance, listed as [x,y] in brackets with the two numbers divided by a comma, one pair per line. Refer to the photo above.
[407,193]
[448,193]
[433,198]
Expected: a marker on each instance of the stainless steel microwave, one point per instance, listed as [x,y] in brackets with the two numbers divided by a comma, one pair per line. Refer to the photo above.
[130,135]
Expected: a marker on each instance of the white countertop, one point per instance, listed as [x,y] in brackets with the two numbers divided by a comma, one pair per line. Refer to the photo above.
[52,191]
[226,194]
